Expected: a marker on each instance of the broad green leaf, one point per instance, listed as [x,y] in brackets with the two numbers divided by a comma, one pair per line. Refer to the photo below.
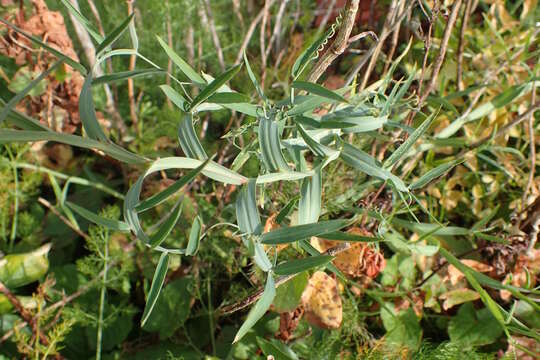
[309,206]
[247,215]
[182,65]
[259,309]
[114,35]
[194,237]
[471,327]
[211,88]
[228,98]
[165,229]
[433,174]
[123,75]
[189,142]
[155,288]
[317,89]
[411,140]
[270,145]
[253,79]
[6,110]
[288,295]
[110,149]
[17,270]
[402,328]
[299,265]
[97,219]
[276,349]
[174,96]
[88,26]
[160,197]
[301,232]
[365,163]
[309,54]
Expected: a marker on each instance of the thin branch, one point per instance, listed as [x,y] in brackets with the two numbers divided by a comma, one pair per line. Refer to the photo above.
[339,44]
[209,19]
[394,42]
[49,206]
[461,44]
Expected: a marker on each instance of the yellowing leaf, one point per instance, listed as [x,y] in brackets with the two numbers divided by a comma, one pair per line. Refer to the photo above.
[322,303]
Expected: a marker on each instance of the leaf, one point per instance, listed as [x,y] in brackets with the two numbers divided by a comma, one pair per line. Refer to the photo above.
[189,142]
[301,232]
[309,206]
[275,349]
[123,75]
[318,90]
[17,270]
[114,35]
[322,303]
[283,213]
[155,288]
[288,295]
[435,229]
[473,328]
[305,104]
[299,265]
[228,98]
[110,149]
[174,96]
[182,65]
[253,79]
[270,145]
[97,219]
[259,309]
[211,88]
[411,140]
[165,229]
[194,237]
[433,174]
[458,297]
[282,176]
[88,26]
[22,120]
[6,110]
[317,148]
[365,163]
[247,215]
[402,328]
[260,257]
[87,112]
[350,237]
[160,197]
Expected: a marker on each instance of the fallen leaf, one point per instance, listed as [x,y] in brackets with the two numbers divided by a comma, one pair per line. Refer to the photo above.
[455,275]
[321,301]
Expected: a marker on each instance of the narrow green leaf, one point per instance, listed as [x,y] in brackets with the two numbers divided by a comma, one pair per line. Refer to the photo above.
[260,257]
[114,35]
[317,148]
[344,236]
[6,110]
[174,96]
[318,90]
[301,232]
[435,228]
[124,75]
[433,174]
[23,121]
[411,140]
[161,196]
[182,65]
[253,79]
[305,104]
[299,265]
[194,237]
[282,176]
[276,349]
[259,309]
[113,150]
[165,229]
[270,145]
[211,88]
[97,219]
[309,206]
[228,98]
[155,288]
[283,213]
[87,112]
[189,142]
[247,215]
[88,26]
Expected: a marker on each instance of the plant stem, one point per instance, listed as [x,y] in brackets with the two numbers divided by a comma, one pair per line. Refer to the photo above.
[102,299]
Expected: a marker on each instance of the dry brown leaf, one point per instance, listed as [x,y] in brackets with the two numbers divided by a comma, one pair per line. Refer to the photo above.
[270,225]
[321,302]
[454,275]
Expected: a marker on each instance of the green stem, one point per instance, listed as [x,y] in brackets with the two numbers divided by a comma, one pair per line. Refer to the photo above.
[103,291]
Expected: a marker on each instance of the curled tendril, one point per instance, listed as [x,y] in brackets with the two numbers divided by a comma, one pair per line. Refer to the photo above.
[333,28]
